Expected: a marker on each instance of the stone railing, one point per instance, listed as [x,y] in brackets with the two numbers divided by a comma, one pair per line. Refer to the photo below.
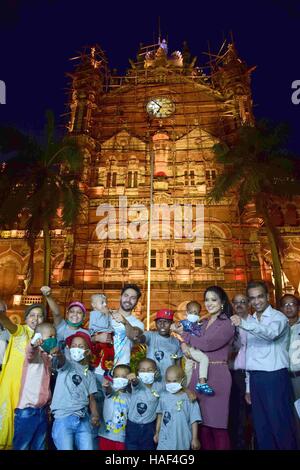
[20,299]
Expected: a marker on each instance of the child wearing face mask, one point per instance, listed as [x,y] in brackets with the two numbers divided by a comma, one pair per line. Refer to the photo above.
[31,414]
[145,394]
[177,417]
[73,405]
[115,409]
[191,325]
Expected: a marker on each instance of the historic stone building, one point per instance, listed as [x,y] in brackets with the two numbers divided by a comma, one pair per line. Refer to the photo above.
[147,139]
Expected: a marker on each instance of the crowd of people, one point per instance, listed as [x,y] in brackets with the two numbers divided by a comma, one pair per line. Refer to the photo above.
[224,380]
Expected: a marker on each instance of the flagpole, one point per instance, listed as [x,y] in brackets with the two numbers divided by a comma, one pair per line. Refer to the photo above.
[149,240]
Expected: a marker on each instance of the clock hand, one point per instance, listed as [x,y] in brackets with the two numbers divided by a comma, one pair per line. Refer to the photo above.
[157,104]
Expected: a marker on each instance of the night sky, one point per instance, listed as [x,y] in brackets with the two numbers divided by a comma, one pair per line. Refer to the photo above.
[37,38]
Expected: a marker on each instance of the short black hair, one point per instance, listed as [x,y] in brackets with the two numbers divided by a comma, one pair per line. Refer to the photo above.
[134,287]
[254,284]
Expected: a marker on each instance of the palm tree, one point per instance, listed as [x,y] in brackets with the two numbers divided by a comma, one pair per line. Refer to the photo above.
[37,180]
[258,168]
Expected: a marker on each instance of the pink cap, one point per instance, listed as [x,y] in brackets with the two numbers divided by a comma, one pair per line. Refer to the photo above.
[77,304]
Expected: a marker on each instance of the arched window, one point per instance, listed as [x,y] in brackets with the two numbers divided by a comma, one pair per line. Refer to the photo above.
[124,258]
[107,258]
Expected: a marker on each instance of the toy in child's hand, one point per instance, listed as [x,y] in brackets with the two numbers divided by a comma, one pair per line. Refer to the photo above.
[190,327]
[35,338]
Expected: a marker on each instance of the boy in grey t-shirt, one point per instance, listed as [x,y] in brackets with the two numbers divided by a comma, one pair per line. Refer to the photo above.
[164,349]
[177,416]
[145,395]
[73,397]
[115,410]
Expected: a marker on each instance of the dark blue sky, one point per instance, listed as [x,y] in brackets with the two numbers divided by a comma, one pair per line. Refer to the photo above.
[37,38]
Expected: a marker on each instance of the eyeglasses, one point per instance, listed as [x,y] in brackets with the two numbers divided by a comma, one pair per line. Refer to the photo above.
[235,302]
[289,304]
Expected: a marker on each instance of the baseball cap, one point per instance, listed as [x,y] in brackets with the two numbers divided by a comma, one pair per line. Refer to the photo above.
[164,313]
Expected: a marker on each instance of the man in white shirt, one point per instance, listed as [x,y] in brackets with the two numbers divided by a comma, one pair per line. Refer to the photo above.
[127,328]
[267,361]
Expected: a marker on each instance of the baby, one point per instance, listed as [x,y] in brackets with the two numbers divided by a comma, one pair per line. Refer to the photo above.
[100,322]
[191,325]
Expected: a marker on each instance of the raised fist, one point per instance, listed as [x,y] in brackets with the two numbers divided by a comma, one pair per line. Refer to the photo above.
[46,290]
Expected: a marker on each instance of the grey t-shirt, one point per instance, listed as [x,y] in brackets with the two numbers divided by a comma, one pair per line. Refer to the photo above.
[74,384]
[144,401]
[115,412]
[63,331]
[99,322]
[164,350]
[178,415]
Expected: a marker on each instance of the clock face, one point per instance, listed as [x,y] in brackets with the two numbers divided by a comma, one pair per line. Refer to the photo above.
[160,107]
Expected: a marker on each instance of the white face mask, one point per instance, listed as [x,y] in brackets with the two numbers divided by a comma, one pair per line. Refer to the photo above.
[192,317]
[146,377]
[77,354]
[119,383]
[173,387]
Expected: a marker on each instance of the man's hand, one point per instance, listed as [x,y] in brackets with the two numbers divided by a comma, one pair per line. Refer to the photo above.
[155,437]
[235,320]
[46,290]
[248,398]
[195,444]
[118,317]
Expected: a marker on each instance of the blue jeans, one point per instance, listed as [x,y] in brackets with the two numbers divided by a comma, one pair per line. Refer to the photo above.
[72,430]
[30,428]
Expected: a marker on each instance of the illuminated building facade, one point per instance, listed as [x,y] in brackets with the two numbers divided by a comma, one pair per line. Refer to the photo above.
[147,139]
